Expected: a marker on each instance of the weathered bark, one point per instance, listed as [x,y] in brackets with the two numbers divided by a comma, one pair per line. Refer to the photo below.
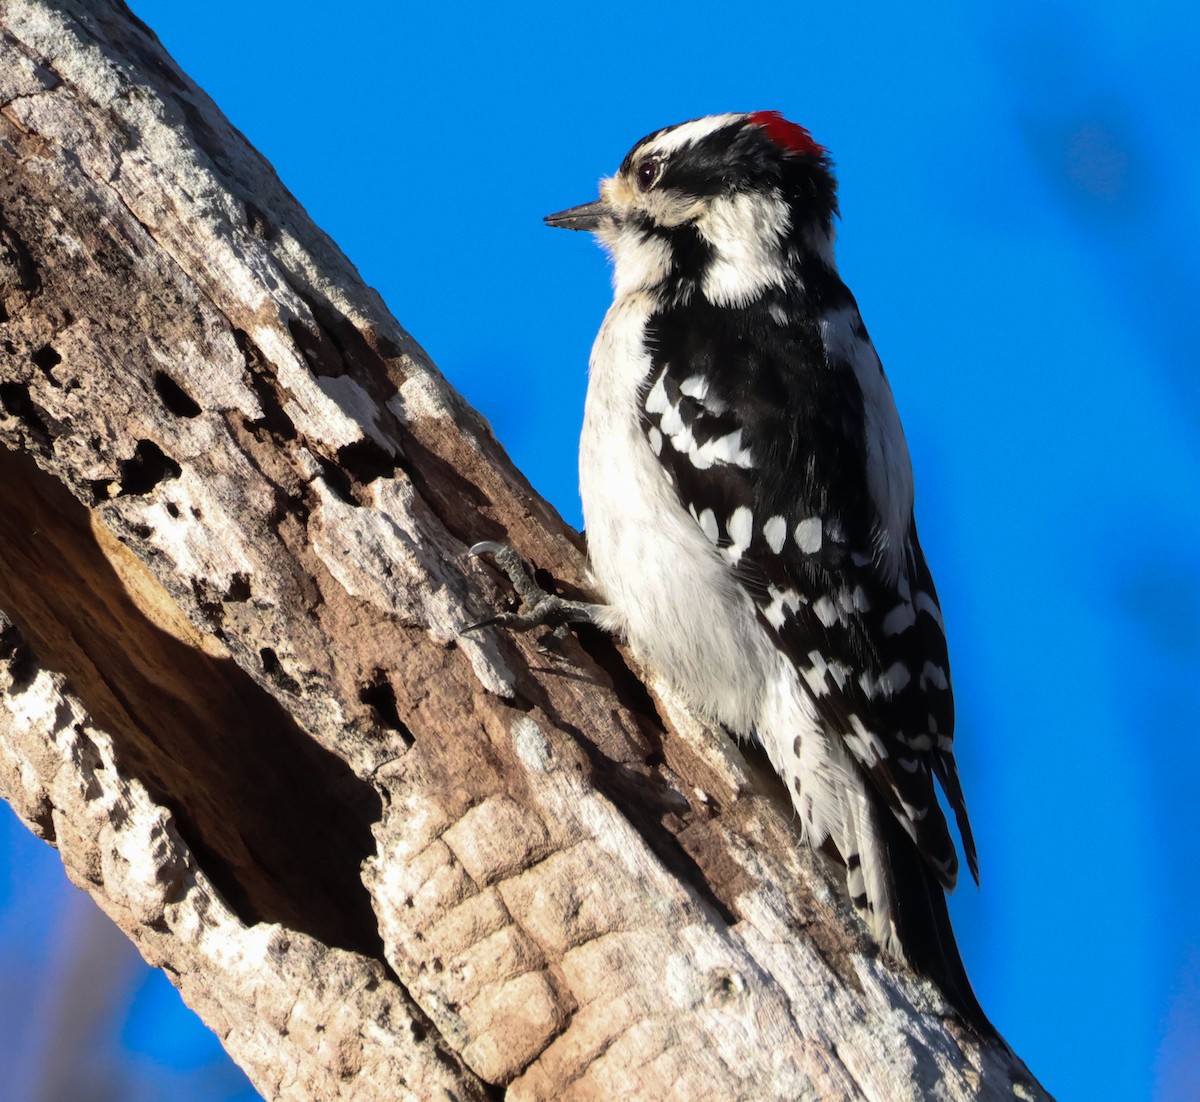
[380,859]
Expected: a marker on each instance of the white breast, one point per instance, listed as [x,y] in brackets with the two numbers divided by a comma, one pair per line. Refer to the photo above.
[669,591]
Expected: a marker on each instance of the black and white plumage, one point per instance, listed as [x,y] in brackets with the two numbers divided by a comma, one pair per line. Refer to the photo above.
[748,501]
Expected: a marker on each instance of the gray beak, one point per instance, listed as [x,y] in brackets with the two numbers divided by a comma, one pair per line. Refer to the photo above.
[587,217]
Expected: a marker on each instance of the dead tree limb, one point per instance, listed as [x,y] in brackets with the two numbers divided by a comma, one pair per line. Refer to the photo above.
[380,859]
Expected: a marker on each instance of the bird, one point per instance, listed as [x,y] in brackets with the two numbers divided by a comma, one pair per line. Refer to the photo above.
[748,496]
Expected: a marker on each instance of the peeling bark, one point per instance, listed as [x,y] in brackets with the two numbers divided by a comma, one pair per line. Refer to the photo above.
[379,858]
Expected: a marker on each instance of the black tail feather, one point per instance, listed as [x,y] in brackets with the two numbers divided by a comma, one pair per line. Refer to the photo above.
[923,925]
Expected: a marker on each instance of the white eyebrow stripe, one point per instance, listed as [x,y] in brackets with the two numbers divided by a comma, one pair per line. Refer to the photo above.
[688,132]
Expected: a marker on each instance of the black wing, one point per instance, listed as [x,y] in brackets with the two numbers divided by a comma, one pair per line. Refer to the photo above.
[761,430]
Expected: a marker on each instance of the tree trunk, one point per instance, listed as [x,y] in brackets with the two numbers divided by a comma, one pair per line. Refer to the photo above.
[379,858]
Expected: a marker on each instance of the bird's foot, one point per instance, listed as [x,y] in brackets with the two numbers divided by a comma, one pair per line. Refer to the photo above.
[538,608]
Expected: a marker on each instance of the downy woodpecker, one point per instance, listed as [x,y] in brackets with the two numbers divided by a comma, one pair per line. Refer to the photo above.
[748,502]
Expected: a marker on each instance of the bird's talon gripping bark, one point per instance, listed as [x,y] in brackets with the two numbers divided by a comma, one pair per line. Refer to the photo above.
[538,608]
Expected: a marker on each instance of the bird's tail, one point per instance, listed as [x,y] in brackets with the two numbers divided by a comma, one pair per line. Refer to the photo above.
[921,920]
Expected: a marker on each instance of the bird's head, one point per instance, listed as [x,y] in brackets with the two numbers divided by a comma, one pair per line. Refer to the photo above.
[723,204]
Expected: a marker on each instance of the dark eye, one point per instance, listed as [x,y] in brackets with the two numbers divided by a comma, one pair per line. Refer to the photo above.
[647,173]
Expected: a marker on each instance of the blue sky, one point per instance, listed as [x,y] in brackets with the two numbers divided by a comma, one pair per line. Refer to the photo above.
[1020,189]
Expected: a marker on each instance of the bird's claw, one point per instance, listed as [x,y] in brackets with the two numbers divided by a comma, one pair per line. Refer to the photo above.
[538,608]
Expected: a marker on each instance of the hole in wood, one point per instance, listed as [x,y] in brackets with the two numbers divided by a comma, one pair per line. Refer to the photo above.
[381,697]
[148,467]
[174,397]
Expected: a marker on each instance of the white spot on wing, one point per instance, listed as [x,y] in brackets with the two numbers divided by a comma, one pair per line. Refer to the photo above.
[670,422]
[656,398]
[775,532]
[900,619]
[816,676]
[726,449]
[888,683]
[783,602]
[915,814]
[808,535]
[932,674]
[683,442]
[870,747]
[697,388]
[825,610]
[853,601]
[656,440]
[741,531]
[723,449]
[925,603]
[708,525]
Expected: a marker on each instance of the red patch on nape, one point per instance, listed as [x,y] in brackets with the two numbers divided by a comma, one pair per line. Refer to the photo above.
[787,135]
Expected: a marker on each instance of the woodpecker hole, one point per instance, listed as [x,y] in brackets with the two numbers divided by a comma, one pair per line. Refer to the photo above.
[259,223]
[273,668]
[46,359]
[365,461]
[381,698]
[274,422]
[210,606]
[22,662]
[174,397]
[14,397]
[319,352]
[239,589]
[338,481]
[148,467]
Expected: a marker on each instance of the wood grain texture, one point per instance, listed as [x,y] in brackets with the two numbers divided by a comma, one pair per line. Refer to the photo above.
[380,858]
